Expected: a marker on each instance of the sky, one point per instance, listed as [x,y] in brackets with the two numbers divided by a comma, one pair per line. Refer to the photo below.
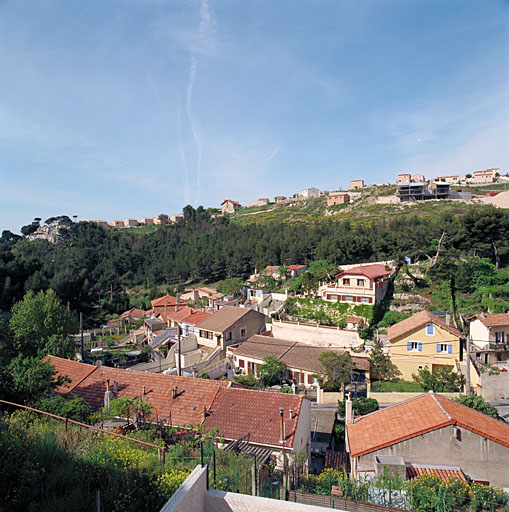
[132,108]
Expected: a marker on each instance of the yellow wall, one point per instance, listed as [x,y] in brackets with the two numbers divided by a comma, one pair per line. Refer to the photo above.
[408,362]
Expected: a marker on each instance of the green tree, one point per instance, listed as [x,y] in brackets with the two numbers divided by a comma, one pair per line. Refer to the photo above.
[272,370]
[381,366]
[443,380]
[42,325]
[338,369]
[478,403]
[27,379]
[68,406]
[232,286]
[360,406]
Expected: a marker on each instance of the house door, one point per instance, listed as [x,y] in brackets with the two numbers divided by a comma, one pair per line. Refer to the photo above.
[219,340]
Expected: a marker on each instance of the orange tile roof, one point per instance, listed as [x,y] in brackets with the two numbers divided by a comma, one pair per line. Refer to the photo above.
[236,412]
[494,320]
[416,321]
[254,415]
[295,267]
[417,416]
[196,317]
[166,300]
[176,315]
[370,271]
[443,472]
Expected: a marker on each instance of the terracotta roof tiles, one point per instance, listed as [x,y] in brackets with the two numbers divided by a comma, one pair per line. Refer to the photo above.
[494,320]
[416,416]
[370,271]
[416,321]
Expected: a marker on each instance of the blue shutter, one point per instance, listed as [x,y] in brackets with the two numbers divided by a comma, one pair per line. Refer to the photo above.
[419,347]
[438,347]
[408,345]
[449,348]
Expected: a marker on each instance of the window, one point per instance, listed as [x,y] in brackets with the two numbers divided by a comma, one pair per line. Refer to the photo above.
[360,282]
[420,367]
[228,336]
[243,333]
[205,334]
[499,337]
[430,329]
[414,346]
[444,348]
[365,300]
[348,298]
[241,363]
[346,282]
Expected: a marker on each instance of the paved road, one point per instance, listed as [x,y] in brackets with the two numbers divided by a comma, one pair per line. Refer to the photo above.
[503,408]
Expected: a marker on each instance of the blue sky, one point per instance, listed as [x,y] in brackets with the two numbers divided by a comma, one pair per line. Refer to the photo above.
[138,107]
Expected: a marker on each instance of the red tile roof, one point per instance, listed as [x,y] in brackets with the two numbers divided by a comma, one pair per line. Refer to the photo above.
[134,312]
[443,472]
[369,271]
[254,415]
[416,321]
[176,315]
[417,416]
[166,300]
[494,320]
[295,267]
[196,317]
[236,412]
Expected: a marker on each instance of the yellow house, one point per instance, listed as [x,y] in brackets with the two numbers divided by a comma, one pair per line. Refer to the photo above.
[423,340]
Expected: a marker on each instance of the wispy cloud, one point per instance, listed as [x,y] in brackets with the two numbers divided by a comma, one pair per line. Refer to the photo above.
[183,156]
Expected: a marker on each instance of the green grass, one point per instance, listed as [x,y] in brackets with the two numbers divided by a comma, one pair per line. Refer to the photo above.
[401,387]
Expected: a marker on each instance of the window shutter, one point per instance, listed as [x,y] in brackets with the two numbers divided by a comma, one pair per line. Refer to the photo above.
[409,345]
[438,347]
[449,348]
[419,347]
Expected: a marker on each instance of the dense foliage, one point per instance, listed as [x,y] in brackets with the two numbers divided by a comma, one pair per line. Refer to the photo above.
[92,267]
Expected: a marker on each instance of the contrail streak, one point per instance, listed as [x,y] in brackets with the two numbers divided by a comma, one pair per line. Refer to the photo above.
[196,137]
[272,155]
[183,157]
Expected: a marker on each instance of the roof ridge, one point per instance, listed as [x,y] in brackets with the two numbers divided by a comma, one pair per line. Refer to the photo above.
[286,351]
[389,407]
[440,406]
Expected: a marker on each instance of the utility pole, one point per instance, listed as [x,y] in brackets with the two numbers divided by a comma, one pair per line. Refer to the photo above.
[467,377]
[180,354]
[82,342]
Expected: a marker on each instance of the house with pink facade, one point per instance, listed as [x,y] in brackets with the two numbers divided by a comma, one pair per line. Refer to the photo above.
[337,198]
[364,284]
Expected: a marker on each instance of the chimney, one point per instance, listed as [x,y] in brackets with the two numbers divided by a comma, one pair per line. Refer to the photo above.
[281,425]
[448,318]
[108,396]
[177,304]
[115,386]
[348,410]
[166,305]
[143,390]
[291,414]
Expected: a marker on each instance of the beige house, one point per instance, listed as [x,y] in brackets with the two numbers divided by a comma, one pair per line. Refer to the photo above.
[203,293]
[161,219]
[228,326]
[424,340]
[102,223]
[147,221]
[452,179]
[130,223]
[429,434]
[279,198]
[354,184]
[486,176]
[300,359]
[230,206]
[117,223]
[310,192]
[365,284]
[418,178]
[489,329]
[264,201]
[176,218]
[337,198]
[404,178]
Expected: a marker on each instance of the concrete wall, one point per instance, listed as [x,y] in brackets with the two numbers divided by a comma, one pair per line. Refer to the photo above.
[482,336]
[190,496]
[316,336]
[494,386]
[193,496]
[478,457]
